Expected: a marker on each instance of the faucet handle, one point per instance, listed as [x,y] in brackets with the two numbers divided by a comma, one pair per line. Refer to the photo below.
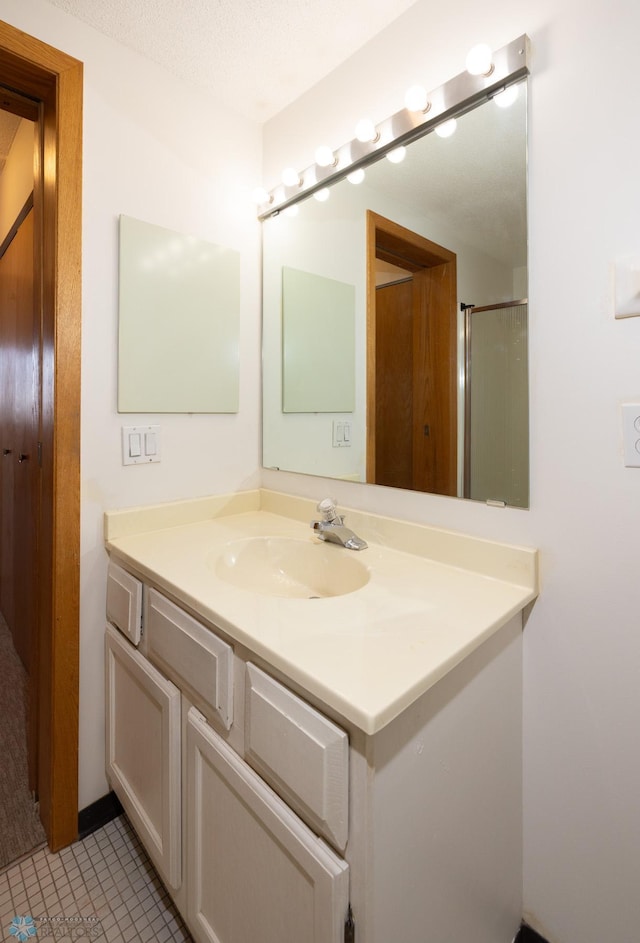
[327,508]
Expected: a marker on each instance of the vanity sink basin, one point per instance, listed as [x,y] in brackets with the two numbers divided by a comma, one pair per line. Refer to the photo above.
[290,567]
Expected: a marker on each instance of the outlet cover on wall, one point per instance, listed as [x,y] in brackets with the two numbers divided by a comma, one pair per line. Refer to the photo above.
[631,434]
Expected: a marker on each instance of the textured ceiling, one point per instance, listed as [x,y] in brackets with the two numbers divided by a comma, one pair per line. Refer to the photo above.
[256,56]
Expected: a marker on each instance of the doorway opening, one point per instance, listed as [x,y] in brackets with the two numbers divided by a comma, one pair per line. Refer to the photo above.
[52,83]
[411,361]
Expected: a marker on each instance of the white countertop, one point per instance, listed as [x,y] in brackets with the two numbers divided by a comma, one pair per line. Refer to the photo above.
[367,654]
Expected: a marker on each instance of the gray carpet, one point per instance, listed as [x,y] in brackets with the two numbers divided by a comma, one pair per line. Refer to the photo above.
[20,828]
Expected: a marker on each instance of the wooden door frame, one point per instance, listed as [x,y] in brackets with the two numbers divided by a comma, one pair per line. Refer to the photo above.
[54,80]
[437,338]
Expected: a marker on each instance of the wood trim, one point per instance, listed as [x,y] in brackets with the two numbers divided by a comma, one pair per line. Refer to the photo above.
[18,104]
[370,471]
[54,79]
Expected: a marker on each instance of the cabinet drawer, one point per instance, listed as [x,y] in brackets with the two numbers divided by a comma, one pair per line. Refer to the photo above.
[194,658]
[300,753]
[124,602]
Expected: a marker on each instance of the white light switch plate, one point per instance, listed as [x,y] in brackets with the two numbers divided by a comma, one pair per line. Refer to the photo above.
[341,434]
[140,445]
[631,434]
[627,287]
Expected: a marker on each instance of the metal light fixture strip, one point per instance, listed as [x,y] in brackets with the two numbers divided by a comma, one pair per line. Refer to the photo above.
[457,96]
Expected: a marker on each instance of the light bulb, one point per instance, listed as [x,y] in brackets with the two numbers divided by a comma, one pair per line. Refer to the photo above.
[260,196]
[506,98]
[366,132]
[447,128]
[291,177]
[397,155]
[322,195]
[356,176]
[415,98]
[478,60]
[325,156]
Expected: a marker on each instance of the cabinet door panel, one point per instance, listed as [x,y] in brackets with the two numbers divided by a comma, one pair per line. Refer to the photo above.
[256,871]
[143,751]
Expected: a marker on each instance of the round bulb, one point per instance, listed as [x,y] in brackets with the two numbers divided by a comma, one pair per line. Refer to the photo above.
[447,128]
[366,132]
[415,98]
[479,60]
[291,177]
[322,195]
[260,196]
[397,155]
[356,176]
[506,98]
[324,156]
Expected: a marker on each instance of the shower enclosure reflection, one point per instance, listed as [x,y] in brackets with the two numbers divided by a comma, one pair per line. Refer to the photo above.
[496,409]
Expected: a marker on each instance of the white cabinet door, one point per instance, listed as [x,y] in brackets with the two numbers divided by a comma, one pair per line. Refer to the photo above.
[256,872]
[143,751]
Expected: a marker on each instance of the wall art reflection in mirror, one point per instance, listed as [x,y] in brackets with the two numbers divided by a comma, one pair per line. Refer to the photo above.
[432,341]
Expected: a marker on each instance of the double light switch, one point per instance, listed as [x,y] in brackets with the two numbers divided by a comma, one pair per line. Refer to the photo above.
[140,444]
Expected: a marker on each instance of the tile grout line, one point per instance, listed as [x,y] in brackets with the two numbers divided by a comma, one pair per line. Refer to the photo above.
[104,883]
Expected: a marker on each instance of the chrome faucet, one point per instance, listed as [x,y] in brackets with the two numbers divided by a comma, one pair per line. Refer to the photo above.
[332,528]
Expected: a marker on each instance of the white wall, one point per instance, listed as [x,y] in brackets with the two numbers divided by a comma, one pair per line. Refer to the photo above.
[158,150]
[582,641]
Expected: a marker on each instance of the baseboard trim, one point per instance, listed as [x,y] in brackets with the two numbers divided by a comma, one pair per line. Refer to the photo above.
[98,814]
[527,935]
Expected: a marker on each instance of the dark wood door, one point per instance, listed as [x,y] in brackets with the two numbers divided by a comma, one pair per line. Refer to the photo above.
[52,83]
[8,317]
[411,362]
[394,385]
[19,352]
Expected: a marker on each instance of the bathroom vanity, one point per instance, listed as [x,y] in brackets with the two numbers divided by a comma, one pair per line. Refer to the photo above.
[316,744]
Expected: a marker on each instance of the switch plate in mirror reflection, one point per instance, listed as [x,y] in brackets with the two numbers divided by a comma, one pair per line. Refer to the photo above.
[467,196]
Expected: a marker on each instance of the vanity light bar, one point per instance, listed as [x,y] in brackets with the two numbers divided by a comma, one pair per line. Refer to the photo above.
[454,98]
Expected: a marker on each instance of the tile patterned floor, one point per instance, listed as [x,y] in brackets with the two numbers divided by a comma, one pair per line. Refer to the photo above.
[102,888]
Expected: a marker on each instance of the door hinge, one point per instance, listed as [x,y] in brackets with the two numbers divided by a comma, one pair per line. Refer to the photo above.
[349,927]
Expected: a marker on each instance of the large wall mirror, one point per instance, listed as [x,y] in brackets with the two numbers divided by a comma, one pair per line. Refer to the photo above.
[433,252]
